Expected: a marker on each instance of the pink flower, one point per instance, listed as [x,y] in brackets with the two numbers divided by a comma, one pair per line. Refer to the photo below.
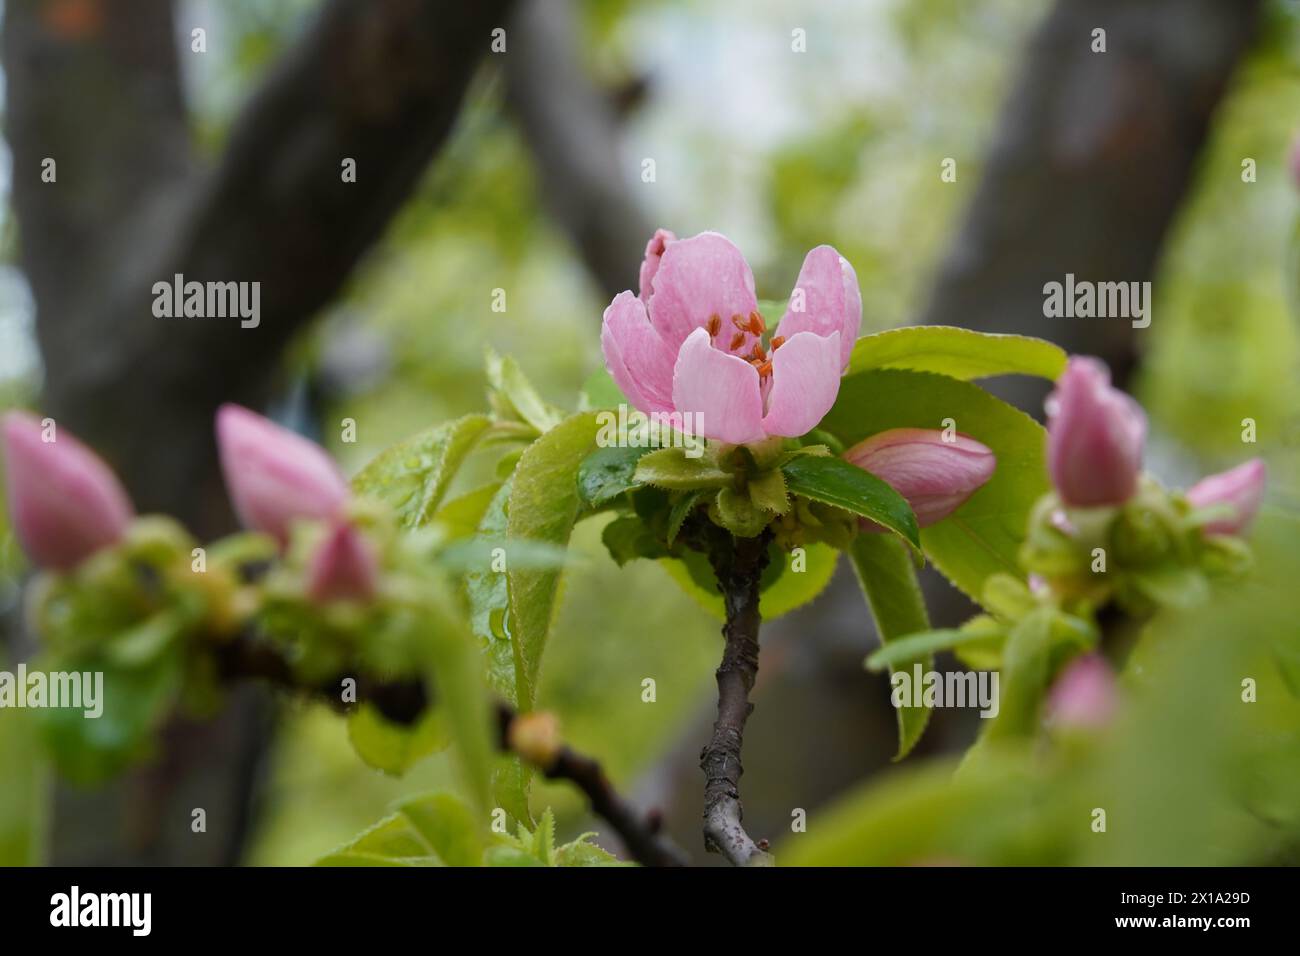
[1241,487]
[692,341]
[274,476]
[343,567]
[1095,435]
[65,502]
[935,476]
[1084,695]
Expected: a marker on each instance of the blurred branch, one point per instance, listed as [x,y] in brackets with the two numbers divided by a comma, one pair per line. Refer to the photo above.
[1092,158]
[572,130]
[403,702]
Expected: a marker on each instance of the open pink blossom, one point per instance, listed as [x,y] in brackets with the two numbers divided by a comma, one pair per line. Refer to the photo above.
[64,501]
[692,341]
[274,476]
[935,475]
[1241,488]
[1095,436]
[344,566]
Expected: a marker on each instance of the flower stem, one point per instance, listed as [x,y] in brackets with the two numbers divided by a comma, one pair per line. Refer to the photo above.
[738,564]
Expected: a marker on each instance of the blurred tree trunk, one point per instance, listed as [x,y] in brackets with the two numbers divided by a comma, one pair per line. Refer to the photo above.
[95,86]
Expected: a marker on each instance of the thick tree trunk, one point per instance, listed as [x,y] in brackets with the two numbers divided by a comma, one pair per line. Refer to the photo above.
[95,87]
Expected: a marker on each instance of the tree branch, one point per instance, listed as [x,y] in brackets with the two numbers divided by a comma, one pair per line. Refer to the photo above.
[739,569]
[573,134]
[640,833]
[402,702]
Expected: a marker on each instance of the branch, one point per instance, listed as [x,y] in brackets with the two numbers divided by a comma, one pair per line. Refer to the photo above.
[572,131]
[640,833]
[1092,158]
[246,657]
[739,569]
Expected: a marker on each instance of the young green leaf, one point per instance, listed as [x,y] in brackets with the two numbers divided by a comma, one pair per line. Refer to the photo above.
[671,468]
[544,504]
[412,476]
[836,482]
[394,748]
[512,393]
[488,593]
[606,473]
[888,578]
[958,353]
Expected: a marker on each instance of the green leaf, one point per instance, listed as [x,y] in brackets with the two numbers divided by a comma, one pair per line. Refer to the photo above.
[513,393]
[888,578]
[767,491]
[681,509]
[912,647]
[782,588]
[448,825]
[460,517]
[738,514]
[606,473]
[836,482]
[393,841]
[437,829]
[394,748]
[984,535]
[600,391]
[958,353]
[412,476]
[488,593]
[456,673]
[1025,671]
[628,538]
[671,468]
[544,505]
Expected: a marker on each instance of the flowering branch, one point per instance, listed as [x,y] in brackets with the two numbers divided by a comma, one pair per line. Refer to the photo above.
[739,568]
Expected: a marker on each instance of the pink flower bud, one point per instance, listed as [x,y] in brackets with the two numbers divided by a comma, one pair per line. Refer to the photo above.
[935,476]
[274,476]
[64,501]
[1241,487]
[1095,435]
[1085,695]
[344,567]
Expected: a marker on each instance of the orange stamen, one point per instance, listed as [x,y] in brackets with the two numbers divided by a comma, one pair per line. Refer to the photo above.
[740,323]
[714,326]
[756,324]
[737,341]
[765,369]
[777,342]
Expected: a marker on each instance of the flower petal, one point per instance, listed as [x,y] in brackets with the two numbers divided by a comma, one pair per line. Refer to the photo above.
[64,501]
[654,250]
[831,300]
[720,389]
[805,381]
[275,476]
[636,355]
[699,278]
